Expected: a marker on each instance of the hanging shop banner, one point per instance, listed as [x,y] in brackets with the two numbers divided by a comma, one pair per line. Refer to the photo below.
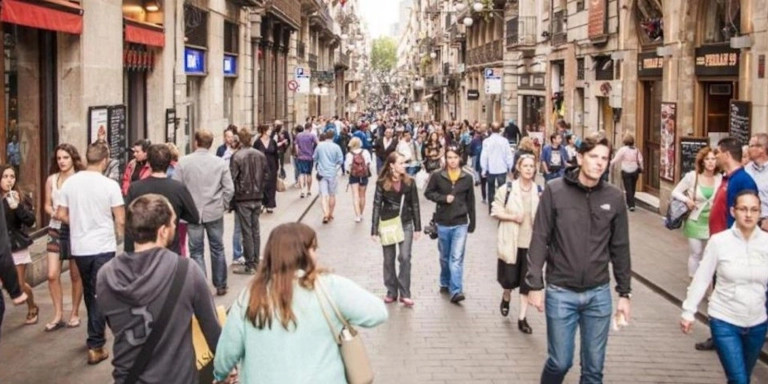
[194,61]
[230,65]
[649,65]
[739,124]
[98,119]
[668,130]
[717,60]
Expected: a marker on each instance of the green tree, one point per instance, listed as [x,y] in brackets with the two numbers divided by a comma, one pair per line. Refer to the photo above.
[384,54]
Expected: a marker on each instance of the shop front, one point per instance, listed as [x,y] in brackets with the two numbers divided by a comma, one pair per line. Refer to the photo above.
[650,72]
[717,75]
[531,98]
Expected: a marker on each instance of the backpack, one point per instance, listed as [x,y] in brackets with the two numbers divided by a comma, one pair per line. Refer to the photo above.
[358,168]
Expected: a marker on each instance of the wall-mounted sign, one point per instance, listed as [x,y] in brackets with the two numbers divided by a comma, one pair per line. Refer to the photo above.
[739,121]
[668,132]
[170,125]
[473,94]
[493,85]
[194,61]
[598,19]
[650,65]
[717,60]
[230,65]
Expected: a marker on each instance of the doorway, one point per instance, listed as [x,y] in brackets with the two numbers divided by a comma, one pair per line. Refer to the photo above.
[717,98]
[652,94]
[136,102]
[194,84]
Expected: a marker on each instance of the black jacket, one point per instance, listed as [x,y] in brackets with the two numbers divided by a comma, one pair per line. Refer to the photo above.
[249,172]
[381,151]
[462,209]
[578,231]
[386,205]
[16,220]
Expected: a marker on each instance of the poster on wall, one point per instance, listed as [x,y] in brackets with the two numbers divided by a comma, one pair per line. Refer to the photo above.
[668,129]
[97,124]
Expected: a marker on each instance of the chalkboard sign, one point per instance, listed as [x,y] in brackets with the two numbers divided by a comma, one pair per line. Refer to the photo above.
[118,141]
[689,147]
[739,121]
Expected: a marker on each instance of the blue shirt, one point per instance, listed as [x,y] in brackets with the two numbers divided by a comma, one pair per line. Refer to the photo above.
[546,156]
[738,181]
[496,155]
[328,158]
[360,134]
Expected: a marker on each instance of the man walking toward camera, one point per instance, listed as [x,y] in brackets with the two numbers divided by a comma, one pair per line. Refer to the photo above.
[93,206]
[580,228]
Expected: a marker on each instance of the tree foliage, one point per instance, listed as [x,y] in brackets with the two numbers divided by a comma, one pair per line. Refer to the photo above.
[384,54]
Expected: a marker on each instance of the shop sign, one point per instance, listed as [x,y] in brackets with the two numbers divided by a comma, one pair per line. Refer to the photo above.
[473,94]
[650,65]
[717,60]
[194,61]
[230,65]
[598,19]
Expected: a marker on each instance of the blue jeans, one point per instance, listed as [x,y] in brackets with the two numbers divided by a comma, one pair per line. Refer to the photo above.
[452,242]
[554,175]
[738,348]
[196,234]
[237,240]
[494,181]
[89,267]
[566,310]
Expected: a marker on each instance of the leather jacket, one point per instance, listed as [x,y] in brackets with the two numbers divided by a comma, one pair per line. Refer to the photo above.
[386,205]
[249,172]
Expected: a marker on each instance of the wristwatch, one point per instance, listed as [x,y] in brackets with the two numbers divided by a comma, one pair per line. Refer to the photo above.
[627,296]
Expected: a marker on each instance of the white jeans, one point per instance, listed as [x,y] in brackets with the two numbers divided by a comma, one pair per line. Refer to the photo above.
[697,250]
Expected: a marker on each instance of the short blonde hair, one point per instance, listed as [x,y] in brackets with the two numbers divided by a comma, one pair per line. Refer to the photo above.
[355,143]
[526,144]
[174,151]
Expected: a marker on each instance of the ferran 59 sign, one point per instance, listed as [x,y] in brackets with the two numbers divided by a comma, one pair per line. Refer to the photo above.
[717,61]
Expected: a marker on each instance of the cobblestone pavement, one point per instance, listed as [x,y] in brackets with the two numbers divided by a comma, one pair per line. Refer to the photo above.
[434,342]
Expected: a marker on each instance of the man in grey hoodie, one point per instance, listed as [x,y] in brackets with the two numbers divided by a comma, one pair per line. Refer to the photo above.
[132,289]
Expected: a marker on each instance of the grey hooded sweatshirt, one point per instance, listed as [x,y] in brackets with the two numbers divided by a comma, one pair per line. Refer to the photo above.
[131,289]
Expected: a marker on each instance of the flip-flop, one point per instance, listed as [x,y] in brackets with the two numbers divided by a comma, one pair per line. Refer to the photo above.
[50,327]
[73,323]
[32,316]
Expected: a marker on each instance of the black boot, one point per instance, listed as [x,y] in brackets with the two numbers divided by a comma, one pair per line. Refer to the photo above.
[523,326]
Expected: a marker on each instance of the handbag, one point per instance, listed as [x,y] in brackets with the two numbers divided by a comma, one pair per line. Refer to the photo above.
[203,353]
[357,366]
[158,326]
[678,210]
[391,230]
[637,160]
[280,185]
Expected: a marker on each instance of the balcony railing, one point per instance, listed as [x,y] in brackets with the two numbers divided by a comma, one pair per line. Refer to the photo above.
[324,76]
[521,30]
[301,50]
[559,33]
[312,62]
[486,53]
[342,61]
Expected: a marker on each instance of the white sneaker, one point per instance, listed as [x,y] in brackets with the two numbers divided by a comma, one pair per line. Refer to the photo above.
[358,219]
[239,261]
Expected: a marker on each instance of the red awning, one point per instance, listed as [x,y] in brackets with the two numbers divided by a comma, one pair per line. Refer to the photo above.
[141,33]
[52,15]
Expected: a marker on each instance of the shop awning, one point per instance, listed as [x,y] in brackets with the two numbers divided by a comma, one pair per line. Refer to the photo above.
[143,33]
[52,15]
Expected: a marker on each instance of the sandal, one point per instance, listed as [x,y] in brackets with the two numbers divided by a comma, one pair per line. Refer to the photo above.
[50,327]
[504,307]
[73,322]
[32,315]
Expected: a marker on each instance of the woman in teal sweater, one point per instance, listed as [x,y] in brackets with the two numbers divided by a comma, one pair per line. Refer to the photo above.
[276,330]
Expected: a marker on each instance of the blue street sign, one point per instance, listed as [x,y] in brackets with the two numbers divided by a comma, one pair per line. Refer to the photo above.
[488,72]
[299,72]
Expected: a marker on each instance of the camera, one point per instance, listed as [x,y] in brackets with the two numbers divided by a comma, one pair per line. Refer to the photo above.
[431,230]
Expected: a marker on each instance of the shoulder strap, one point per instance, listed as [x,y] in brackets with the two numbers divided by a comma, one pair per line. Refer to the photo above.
[402,199]
[509,192]
[159,325]
[321,292]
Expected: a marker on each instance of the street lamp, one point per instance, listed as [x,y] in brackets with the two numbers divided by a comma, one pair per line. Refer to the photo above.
[468,21]
[324,90]
[478,6]
[459,7]
[433,55]
[316,90]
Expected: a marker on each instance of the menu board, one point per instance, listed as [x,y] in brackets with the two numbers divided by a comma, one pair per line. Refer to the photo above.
[739,121]
[170,125]
[689,147]
[118,139]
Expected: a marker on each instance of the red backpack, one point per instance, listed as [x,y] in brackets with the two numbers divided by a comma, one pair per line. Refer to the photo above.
[358,168]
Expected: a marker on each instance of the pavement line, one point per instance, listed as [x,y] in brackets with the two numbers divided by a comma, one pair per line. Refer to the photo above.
[306,211]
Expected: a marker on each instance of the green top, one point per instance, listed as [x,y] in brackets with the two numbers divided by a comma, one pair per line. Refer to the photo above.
[699,228]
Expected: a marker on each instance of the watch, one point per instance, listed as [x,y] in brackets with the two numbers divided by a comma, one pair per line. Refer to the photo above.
[627,296]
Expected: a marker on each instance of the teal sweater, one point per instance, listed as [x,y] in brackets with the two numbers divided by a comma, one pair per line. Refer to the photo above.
[307,352]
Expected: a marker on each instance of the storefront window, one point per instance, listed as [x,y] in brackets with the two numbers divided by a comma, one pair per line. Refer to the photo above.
[533,113]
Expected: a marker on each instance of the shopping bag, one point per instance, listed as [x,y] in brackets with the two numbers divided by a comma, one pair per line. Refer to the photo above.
[203,354]
[280,185]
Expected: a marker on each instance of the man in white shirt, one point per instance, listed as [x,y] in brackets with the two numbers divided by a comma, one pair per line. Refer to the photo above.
[93,206]
[496,160]
[758,169]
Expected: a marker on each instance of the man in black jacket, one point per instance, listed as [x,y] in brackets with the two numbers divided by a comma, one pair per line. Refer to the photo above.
[8,275]
[580,228]
[249,173]
[384,146]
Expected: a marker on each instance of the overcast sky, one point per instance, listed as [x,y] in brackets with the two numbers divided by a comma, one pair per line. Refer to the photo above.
[379,15]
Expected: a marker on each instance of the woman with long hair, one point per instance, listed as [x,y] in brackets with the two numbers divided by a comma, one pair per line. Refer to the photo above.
[268,147]
[65,163]
[358,162]
[697,189]
[736,307]
[276,329]
[454,192]
[19,215]
[515,207]
[433,152]
[397,195]
[631,161]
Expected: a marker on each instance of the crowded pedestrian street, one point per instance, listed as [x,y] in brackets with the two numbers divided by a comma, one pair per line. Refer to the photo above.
[435,341]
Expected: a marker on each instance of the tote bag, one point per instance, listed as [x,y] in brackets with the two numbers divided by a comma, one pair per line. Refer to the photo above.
[391,231]
[203,354]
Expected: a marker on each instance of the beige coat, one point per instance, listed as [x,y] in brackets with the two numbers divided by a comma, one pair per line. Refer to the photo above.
[506,241]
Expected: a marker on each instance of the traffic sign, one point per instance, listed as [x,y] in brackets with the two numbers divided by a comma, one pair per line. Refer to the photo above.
[293,85]
[488,72]
[299,72]
[493,85]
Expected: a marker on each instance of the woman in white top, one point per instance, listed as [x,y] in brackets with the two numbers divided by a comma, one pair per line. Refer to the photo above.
[358,162]
[697,189]
[65,164]
[737,311]
[408,148]
[631,161]
[515,207]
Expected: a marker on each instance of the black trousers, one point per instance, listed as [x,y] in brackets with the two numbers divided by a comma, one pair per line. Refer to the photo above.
[89,267]
[10,282]
[630,186]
